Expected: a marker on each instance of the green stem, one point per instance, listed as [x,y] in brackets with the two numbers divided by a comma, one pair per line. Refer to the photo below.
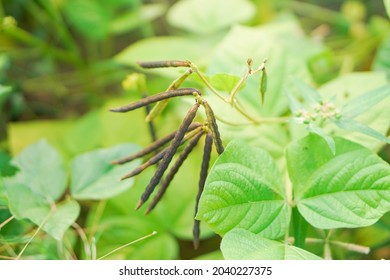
[231,99]
[206,82]
[248,74]
[300,228]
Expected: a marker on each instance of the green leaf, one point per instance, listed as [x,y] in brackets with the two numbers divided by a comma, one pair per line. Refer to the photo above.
[365,102]
[294,103]
[287,50]
[95,177]
[349,87]
[350,124]
[40,168]
[85,134]
[23,134]
[244,190]
[55,219]
[61,218]
[382,58]
[224,82]
[323,66]
[88,17]
[310,95]
[387,6]
[208,17]
[349,189]
[240,244]
[320,132]
[134,19]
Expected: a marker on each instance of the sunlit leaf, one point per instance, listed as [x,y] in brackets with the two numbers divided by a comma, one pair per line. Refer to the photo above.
[95,177]
[224,82]
[40,168]
[352,125]
[283,43]
[85,134]
[387,6]
[349,87]
[320,132]
[309,94]
[23,134]
[348,189]
[55,219]
[208,17]
[136,18]
[365,102]
[244,190]
[240,244]
[294,103]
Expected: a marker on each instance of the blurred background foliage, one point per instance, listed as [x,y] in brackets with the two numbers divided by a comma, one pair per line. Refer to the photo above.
[62,63]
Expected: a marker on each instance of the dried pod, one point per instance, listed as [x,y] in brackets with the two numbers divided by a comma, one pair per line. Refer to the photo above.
[155,145]
[202,180]
[172,172]
[155,159]
[155,98]
[164,64]
[169,154]
[213,127]
[159,156]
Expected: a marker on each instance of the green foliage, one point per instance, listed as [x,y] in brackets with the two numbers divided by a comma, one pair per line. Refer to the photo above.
[244,190]
[89,18]
[94,177]
[32,193]
[240,244]
[300,178]
[387,6]
[46,178]
[199,22]
[348,189]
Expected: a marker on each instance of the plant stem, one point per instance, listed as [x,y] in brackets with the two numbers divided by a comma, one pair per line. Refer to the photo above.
[84,238]
[300,228]
[6,221]
[128,244]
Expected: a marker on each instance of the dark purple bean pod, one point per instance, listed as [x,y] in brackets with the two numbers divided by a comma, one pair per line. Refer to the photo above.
[172,172]
[213,127]
[155,145]
[164,64]
[202,180]
[155,98]
[169,154]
